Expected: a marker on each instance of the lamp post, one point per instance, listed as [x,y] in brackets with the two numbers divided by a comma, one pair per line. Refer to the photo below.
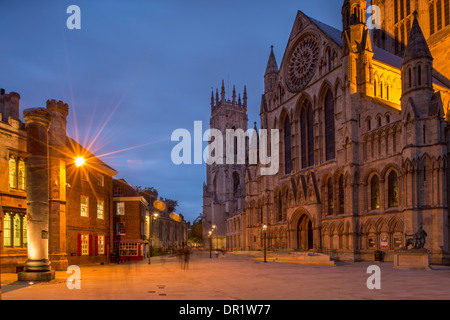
[214,227]
[210,243]
[150,236]
[264,228]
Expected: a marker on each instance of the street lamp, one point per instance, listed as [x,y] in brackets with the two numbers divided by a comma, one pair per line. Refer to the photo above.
[214,227]
[264,228]
[210,243]
[79,161]
[150,236]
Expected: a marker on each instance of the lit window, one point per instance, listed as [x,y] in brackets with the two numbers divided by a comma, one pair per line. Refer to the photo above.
[15,230]
[84,205]
[22,175]
[84,245]
[13,173]
[7,232]
[101,244]
[120,209]
[100,209]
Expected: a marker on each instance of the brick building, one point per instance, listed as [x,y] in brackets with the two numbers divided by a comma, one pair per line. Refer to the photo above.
[130,220]
[80,198]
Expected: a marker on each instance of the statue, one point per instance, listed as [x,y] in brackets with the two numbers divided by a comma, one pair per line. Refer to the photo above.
[417,240]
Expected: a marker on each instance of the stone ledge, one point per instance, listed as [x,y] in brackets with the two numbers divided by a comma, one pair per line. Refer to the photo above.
[37,276]
[416,259]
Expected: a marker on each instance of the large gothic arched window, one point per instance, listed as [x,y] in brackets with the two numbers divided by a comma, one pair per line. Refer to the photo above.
[287,146]
[329,127]
[307,135]
[393,189]
[375,193]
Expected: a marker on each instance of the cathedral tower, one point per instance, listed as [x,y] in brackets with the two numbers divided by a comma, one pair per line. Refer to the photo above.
[357,47]
[224,191]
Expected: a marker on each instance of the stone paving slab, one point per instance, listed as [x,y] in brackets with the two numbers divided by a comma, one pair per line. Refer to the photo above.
[234,277]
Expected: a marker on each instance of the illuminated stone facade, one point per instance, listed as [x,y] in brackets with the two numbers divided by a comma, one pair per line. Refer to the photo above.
[363,142]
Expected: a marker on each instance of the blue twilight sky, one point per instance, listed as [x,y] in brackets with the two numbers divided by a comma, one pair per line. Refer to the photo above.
[138,70]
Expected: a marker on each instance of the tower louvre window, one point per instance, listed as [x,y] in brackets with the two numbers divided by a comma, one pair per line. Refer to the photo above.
[431,12]
[439,14]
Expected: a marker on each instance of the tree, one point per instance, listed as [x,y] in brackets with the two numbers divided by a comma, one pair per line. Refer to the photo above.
[196,234]
[171,205]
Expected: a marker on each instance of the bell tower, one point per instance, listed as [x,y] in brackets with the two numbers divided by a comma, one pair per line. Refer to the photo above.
[224,190]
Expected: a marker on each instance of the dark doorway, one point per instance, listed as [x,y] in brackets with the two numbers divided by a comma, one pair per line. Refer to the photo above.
[305,237]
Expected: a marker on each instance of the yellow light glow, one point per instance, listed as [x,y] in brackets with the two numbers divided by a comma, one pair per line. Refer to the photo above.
[79,161]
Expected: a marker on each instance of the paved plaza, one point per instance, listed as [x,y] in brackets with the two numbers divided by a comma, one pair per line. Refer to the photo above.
[234,277]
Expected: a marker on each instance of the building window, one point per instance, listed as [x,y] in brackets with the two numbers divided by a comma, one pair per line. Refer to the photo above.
[120,208]
[100,244]
[117,191]
[15,230]
[100,209]
[236,182]
[101,181]
[329,127]
[7,232]
[17,173]
[330,197]
[431,11]
[120,228]
[13,172]
[84,245]
[341,195]
[375,192]
[287,146]
[129,249]
[84,175]
[393,189]
[84,206]
[307,135]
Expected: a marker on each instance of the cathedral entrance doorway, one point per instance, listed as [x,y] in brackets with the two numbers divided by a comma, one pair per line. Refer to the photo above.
[305,238]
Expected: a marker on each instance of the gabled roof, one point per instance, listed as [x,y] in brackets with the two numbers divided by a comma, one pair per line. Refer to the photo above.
[78,150]
[333,33]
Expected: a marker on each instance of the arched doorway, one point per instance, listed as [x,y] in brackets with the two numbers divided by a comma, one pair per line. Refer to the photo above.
[305,237]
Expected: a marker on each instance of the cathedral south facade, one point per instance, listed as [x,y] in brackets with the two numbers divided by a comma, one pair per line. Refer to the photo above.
[363,122]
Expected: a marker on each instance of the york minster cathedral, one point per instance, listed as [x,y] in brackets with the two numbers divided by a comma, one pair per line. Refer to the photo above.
[364,139]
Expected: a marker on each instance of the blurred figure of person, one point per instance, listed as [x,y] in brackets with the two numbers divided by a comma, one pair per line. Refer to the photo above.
[186,254]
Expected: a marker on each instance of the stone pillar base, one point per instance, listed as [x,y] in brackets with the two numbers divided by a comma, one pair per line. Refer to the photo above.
[416,259]
[59,262]
[37,276]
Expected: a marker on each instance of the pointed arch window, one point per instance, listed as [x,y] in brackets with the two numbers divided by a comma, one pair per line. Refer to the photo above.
[307,135]
[375,192]
[330,197]
[393,189]
[236,182]
[13,172]
[329,127]
[341,195]
[279,203]
[287,146]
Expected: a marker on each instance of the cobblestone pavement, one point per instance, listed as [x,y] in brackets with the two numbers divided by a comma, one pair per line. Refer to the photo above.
[234,277]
